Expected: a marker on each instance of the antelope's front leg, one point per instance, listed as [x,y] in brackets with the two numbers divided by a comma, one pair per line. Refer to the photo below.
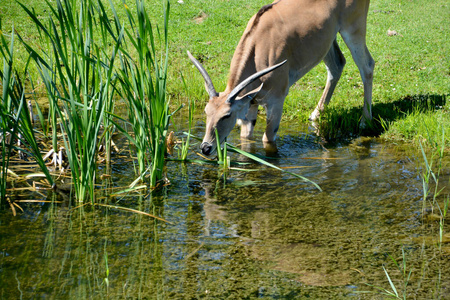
[274,112]
[248,122]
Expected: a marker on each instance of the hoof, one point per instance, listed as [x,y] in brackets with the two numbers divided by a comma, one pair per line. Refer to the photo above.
[365,123]
[270,148]
[314,116]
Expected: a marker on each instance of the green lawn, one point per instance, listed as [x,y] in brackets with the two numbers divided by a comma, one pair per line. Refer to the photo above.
[412,75]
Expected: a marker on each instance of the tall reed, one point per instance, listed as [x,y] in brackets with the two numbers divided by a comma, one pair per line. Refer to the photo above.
[78,82]
[8,124]
[114,35]
[191,109]
[15,120]
[143,83]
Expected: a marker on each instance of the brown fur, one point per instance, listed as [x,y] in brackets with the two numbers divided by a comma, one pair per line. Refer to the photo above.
[303,32]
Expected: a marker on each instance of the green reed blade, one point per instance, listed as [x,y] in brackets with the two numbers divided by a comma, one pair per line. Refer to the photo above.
[261,161]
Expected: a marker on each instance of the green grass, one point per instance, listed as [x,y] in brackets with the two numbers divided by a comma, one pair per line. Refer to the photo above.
[421,126]
[412,68]
[414,64]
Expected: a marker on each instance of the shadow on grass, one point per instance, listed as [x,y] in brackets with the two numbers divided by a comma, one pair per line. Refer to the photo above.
[343,123]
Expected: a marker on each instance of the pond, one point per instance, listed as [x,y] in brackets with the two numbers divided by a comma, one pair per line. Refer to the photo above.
[260,234]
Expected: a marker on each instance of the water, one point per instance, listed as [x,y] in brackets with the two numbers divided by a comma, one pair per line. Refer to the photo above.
[261,234]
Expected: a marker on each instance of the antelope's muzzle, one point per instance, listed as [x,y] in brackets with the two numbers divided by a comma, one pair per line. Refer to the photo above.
[206,148]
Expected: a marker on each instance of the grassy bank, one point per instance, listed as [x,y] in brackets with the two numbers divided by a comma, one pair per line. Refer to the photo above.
[409,40]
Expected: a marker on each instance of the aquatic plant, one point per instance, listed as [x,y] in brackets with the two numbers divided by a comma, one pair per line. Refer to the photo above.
[8,124]
[432,168]
[143,86]
[222,157]
[78,85]
[79,71]
[186,143]
[263,162]
[15,120]
[395,292]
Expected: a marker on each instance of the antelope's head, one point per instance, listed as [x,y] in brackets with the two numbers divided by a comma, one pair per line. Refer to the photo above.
[222,108]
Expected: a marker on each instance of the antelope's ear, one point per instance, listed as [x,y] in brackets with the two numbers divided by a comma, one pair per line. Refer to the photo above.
[241,86]
[249,96]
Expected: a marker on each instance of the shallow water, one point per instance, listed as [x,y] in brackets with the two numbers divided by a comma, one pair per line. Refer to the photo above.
[262,234]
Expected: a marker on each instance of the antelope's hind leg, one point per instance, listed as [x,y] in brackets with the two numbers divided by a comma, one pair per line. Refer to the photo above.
[355,39]
[335,62]
[366,65]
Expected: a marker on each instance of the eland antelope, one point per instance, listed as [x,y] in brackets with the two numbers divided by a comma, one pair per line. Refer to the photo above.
[281,43]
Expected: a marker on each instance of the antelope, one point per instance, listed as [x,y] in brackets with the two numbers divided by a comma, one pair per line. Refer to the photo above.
[281,43]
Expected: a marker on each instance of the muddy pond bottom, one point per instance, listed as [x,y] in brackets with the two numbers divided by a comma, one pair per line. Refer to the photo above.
[259,234]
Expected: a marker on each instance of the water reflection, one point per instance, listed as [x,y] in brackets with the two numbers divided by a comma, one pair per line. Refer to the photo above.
[258,234]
